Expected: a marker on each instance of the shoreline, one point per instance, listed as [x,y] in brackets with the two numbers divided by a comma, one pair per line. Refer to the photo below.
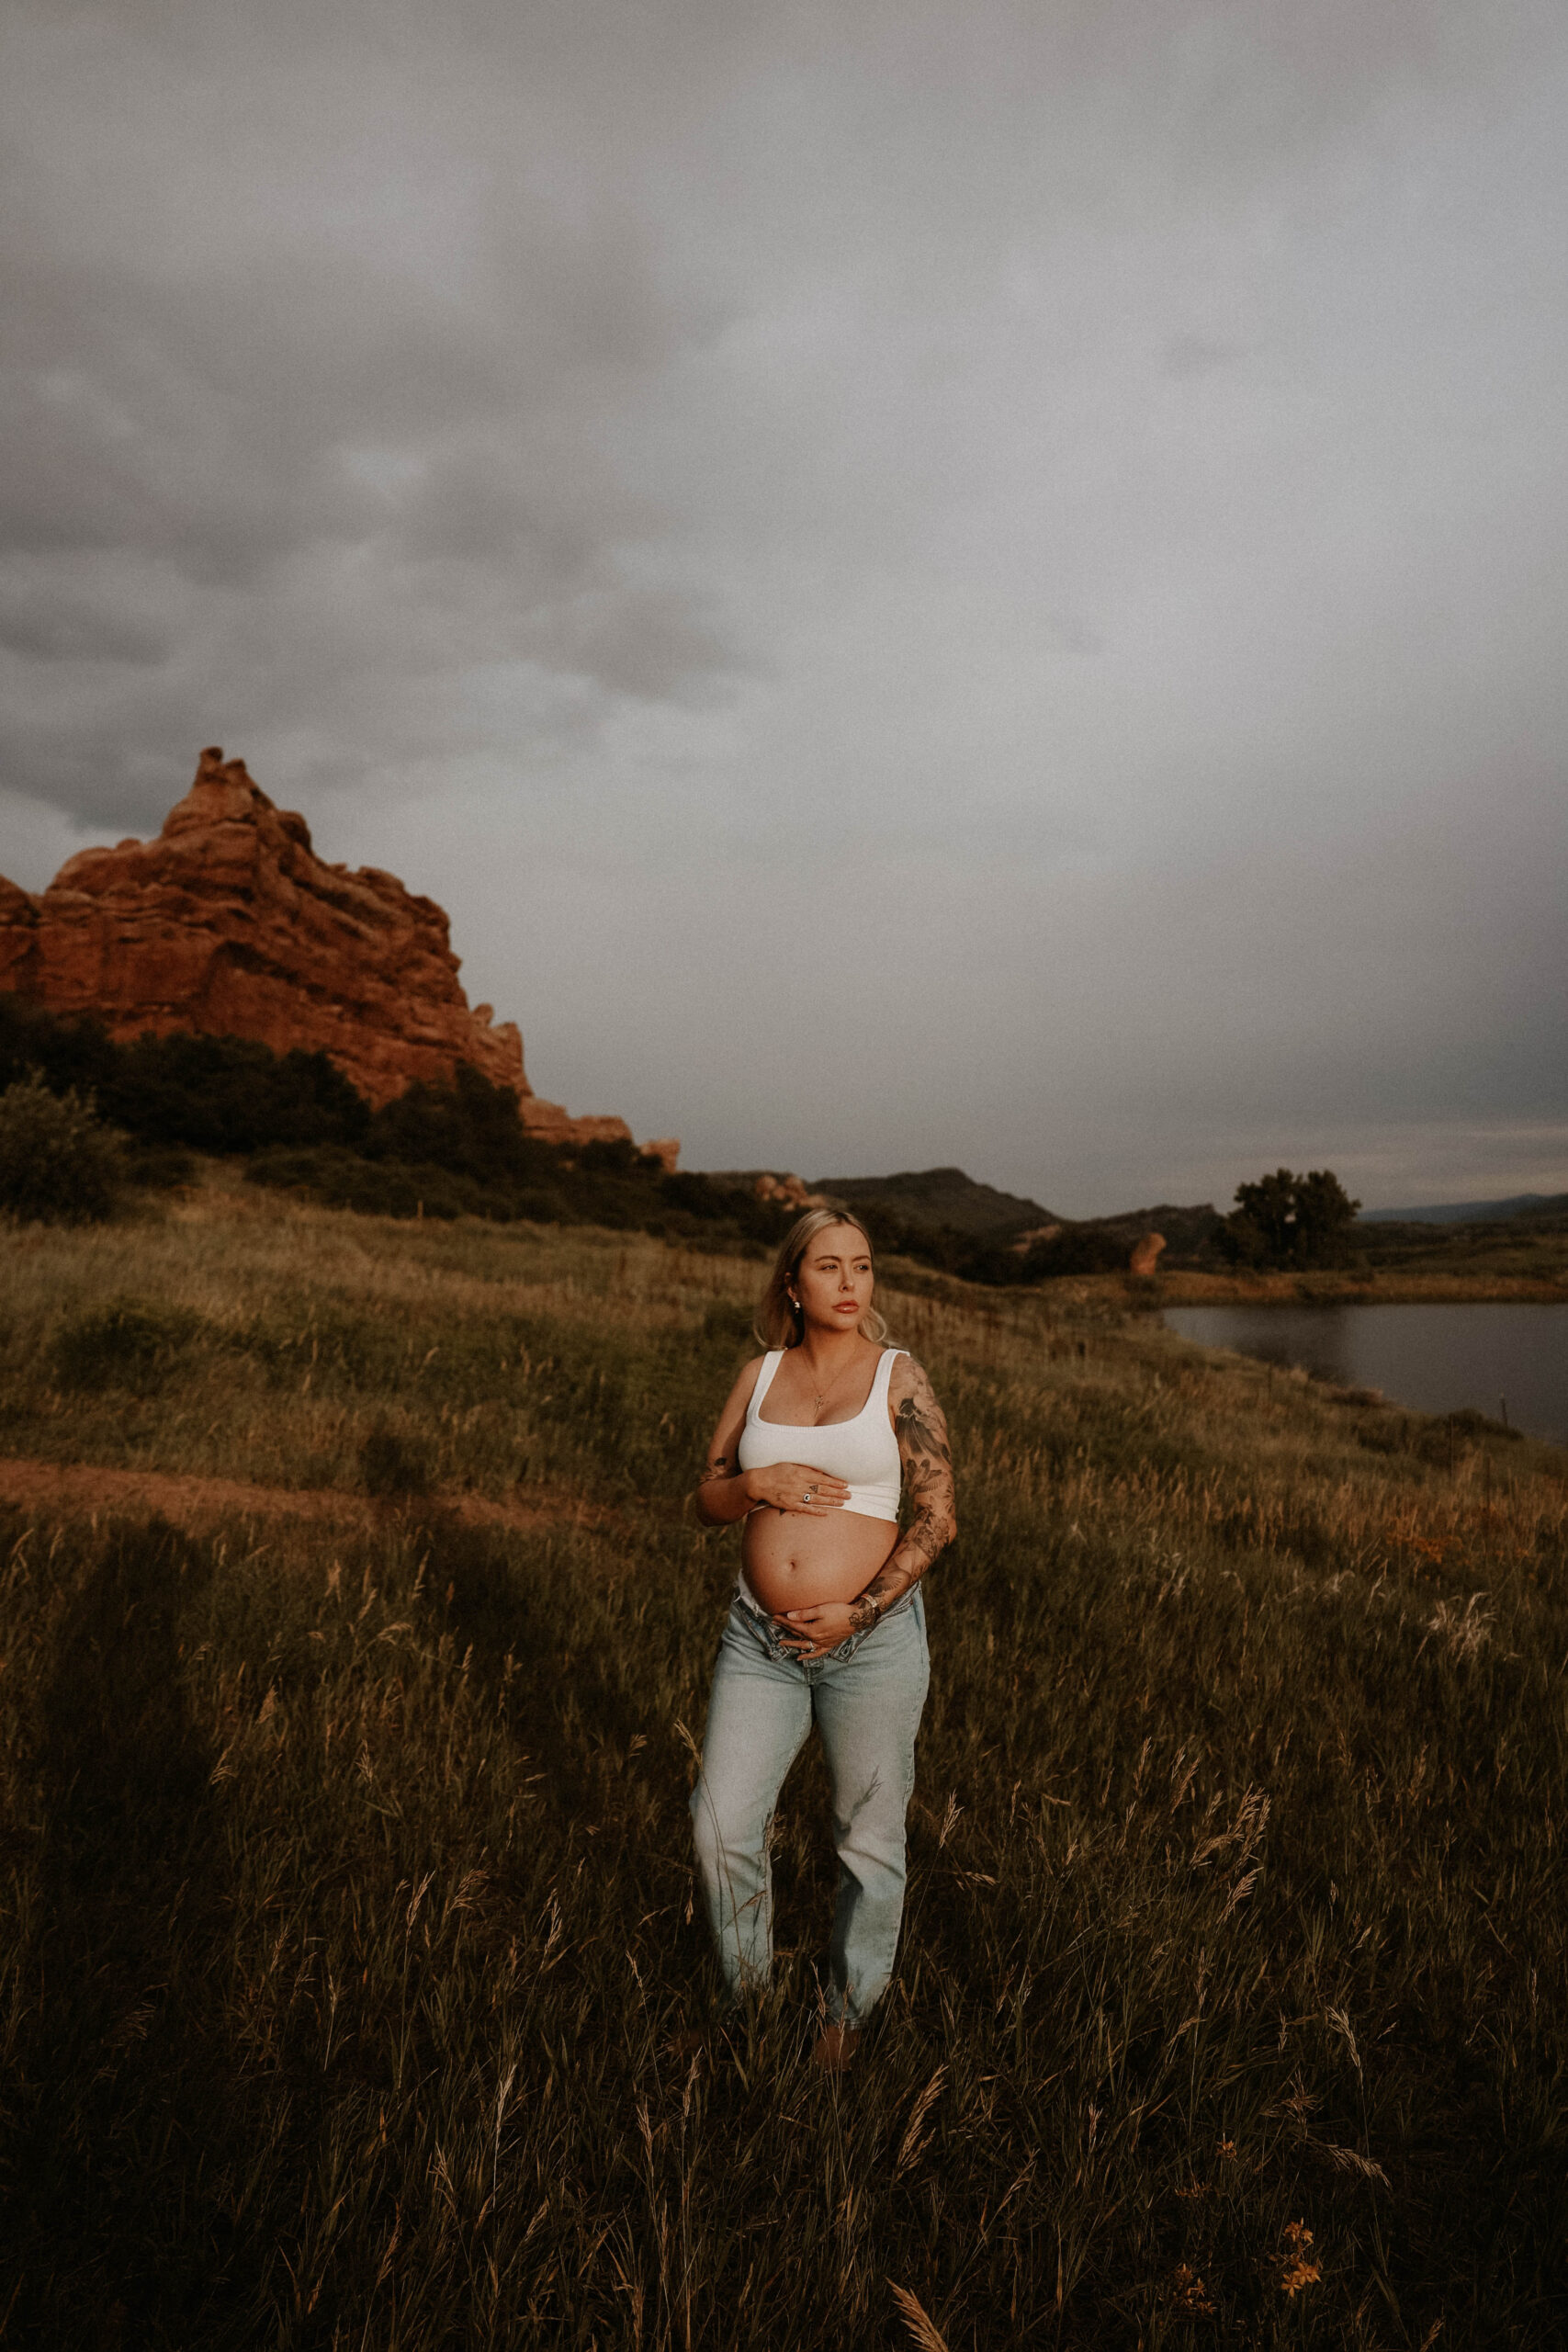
[1322,1288]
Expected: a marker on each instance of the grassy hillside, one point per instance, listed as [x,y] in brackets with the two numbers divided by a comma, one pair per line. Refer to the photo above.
[1527,1246]
[350,1969]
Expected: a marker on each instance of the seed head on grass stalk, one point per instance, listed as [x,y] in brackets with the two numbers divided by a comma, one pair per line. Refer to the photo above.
[921,2326]
[915,2141]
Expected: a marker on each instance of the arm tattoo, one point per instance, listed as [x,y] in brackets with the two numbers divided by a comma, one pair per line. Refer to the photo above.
[928,1473]
[718,1467]
[921,1428]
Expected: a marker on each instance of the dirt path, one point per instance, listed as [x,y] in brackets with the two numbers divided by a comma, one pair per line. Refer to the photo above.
[74,1489]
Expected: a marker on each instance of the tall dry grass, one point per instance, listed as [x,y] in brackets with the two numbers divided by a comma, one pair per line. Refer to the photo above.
[353,1992]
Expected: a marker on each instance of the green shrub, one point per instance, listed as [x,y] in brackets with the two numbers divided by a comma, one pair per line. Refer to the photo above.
[226,1095]
[158,1165]
[1468,1422]
[1072,1250]
[58,1162]
[471,1129]
[1076,1249]
[199,1094]
[130,1343]
[342,1179]
[539,1207]
[65,1054]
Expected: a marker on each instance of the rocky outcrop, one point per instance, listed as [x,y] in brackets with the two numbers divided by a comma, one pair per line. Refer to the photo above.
[789,1192]
[229,923]
[768,1185]
[1026,1241]
[1145,1256]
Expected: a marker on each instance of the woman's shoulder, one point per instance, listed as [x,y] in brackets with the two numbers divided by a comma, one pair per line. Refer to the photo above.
[746,1379]
[908,1379]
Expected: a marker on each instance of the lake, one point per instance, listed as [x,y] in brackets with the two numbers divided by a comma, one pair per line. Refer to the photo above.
[1434,1358]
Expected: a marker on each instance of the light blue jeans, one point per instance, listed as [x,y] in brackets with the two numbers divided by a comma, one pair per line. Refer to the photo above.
[865,1698]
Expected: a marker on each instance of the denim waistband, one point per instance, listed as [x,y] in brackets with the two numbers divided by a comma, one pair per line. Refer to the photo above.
[764,1619]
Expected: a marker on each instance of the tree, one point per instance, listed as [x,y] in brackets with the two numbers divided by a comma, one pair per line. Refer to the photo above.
[1325,1214]
[1290,1220]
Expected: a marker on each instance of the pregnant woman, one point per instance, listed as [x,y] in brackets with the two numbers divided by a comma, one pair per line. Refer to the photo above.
[827,1624]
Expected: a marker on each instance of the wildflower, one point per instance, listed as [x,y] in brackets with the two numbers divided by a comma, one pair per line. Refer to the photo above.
[1228,2150]
[1296,2270]
[1189,2296]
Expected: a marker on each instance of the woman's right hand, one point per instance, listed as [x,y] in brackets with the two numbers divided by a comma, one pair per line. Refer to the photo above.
[795,1486]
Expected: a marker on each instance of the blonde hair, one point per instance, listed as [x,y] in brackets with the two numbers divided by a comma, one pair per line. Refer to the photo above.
[778,1324]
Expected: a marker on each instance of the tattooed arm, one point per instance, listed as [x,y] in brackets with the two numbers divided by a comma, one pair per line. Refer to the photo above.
[721,1498]
[921,1430]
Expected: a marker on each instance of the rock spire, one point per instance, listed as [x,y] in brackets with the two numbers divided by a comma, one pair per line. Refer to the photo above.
[230,923]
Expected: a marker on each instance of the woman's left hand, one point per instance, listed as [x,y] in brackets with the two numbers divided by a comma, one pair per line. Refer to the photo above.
[812,1632]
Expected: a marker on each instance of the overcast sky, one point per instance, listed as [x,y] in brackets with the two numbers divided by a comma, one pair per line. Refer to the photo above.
[973,582]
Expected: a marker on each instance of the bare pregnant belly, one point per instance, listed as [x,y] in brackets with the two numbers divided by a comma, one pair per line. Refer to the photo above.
[793,1561]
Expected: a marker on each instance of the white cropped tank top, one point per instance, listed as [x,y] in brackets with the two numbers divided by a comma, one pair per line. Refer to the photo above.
[864,1452]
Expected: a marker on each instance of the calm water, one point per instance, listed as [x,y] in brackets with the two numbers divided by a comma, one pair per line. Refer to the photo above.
[1434,1359]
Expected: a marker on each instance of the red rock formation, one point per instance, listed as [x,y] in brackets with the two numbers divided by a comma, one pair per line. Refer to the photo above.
[229,923]
[1144,1259]
[790,1193]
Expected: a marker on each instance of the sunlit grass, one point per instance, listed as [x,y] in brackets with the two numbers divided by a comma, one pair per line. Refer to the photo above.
[354,1993]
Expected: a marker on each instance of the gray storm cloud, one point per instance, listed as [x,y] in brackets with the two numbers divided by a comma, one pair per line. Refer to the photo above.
[924,583]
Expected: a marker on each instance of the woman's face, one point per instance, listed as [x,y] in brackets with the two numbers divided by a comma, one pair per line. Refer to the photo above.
[834,1281]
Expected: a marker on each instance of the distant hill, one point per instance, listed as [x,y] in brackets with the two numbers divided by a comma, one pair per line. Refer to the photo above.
[942,1196]
[975,1228]
[939,1197]
[1470,1212]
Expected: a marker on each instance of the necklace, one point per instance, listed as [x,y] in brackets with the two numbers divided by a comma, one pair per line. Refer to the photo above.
[819,1395]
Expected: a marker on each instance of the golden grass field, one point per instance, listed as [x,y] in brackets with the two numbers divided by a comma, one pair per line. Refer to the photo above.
[356,1646]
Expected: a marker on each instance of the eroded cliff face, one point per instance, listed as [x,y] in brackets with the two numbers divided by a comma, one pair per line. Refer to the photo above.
[229,923]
